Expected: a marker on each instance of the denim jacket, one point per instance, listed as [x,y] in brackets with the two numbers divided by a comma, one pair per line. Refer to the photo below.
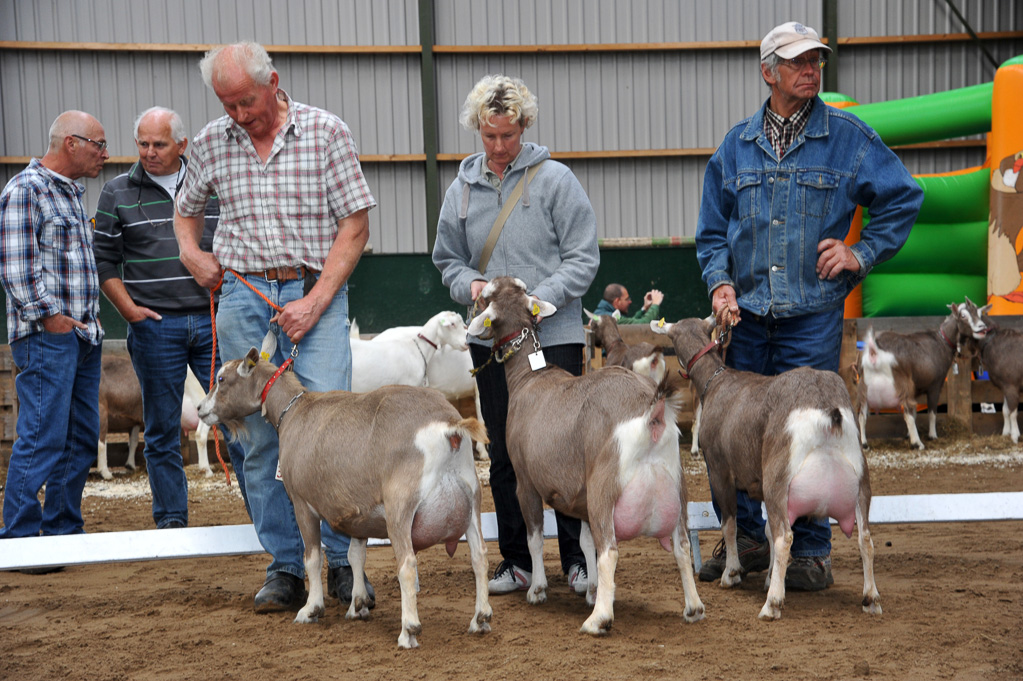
[761,219]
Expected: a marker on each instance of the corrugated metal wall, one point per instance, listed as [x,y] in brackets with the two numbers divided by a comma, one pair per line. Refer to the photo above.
[597,102]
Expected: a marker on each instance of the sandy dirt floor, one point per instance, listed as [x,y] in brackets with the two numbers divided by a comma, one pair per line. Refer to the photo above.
[952,597]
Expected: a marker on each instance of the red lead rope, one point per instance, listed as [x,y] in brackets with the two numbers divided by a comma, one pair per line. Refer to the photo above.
[213,358]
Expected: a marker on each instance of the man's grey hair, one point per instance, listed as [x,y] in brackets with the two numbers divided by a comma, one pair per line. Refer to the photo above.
[252,57]
[497,95]
[177,126]
[772,62]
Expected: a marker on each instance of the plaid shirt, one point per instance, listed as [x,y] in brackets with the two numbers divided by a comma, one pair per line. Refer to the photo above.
[46,261]
[782,132]
[284,212]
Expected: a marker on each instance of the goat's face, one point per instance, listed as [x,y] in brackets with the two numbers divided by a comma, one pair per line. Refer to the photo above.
[972,321]
[604,328]
[451,330]
[508,307]
[236,394]
[688,336]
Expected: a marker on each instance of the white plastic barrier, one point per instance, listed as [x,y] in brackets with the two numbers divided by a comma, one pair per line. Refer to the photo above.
[239,540]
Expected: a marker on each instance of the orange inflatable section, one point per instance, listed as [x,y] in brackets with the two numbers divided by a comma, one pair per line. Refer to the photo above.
[1005,151]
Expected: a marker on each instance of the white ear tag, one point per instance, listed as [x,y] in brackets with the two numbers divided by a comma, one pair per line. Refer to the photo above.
[536,360]
[278,475]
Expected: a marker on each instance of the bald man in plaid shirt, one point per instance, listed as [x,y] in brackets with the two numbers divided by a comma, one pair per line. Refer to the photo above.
[293,224]
[49,277]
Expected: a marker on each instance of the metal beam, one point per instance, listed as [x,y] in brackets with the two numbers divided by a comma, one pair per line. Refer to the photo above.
[431,133]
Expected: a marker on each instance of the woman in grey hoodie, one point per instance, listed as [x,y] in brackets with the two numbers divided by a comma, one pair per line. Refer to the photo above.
[549,241]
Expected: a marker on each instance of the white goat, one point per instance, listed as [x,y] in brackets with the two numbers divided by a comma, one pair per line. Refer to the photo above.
[395,462]
[602,447]
[404,361]
[788,440]
[449,370]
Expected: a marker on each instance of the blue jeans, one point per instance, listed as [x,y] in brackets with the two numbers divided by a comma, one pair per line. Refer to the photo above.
[324,363]
[58,432]
[161,352]
[767,345]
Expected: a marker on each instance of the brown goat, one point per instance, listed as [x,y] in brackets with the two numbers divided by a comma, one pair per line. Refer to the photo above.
[602,447]
[395,462]
[789,441]
[120,408]
[1001,354]
[646,359]
[895,368]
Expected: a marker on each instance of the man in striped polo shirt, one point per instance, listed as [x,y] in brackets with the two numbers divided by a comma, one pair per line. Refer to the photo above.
[168,313]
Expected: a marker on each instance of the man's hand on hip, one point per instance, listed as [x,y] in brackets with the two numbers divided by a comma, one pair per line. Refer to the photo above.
[835,258]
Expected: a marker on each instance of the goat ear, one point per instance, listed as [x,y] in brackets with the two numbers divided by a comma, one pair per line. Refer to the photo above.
[984,310]
[617,314]
[660,326]
[482,321]
[269,346]
[540,308]
[589,315]
[248,363]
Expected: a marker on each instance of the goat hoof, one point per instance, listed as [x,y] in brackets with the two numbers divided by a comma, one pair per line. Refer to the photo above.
[407,641]
[692,615]
[730,579]
[353,614]
[770,612]
[596,626]
[871,606]
[311,617]
[106,475]
[537,596]
[478,627]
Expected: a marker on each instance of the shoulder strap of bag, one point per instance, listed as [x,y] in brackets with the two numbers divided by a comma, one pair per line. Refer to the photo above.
[502,217]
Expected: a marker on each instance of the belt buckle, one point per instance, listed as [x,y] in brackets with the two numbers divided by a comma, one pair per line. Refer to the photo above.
[266,274]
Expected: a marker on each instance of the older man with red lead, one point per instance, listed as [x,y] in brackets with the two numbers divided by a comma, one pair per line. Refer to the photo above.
[293,224]
[778,199]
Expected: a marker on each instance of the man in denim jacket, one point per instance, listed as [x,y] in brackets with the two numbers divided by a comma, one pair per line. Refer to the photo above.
[778,199]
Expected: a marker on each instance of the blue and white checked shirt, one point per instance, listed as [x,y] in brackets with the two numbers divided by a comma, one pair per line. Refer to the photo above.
[46,261]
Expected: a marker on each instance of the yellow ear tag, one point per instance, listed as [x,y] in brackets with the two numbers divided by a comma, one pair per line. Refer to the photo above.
[265,356]
[536,309]
[486,321]
[660,324]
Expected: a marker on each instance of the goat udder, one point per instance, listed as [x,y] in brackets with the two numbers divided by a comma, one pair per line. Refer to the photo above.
[442,518]
[649,506]
[822,488]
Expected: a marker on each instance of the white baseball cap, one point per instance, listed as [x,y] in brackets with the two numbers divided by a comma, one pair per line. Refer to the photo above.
[790,40]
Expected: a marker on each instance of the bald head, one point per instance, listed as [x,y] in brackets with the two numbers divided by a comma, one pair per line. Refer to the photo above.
[77,145]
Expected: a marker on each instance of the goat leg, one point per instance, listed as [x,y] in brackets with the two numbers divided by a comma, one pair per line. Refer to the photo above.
[309,526]
[586,544]
[909,414]
[532,514]
[871,598]
[133,445]
[684,558]
[781,545]
[411,627]
[600,620]
[359,609]
[480,622]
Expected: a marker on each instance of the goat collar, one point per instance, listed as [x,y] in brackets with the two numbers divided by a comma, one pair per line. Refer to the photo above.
[273,379]
[280,419]
[422,337]
[948,341]
[718,342]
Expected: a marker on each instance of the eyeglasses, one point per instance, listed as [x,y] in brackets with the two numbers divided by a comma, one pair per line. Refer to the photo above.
[101,145]
[798,63]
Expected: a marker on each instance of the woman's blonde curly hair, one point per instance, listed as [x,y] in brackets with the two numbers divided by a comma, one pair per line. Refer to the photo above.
[498,95]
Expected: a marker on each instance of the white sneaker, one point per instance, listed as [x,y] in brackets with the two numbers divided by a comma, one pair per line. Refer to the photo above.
[577,579]
[509,578]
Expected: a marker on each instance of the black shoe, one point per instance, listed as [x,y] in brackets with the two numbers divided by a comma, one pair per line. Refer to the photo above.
[340,581]
[754,556]
[173,525]
[809,573]
[42,570]
[281,591]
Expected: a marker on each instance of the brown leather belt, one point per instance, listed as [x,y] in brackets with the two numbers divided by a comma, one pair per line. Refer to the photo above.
[283,273]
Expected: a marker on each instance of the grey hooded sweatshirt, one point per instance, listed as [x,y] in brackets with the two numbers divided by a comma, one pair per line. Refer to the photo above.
[549,240]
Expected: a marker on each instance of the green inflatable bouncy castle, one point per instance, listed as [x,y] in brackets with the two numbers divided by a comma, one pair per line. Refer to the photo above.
[946,256]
